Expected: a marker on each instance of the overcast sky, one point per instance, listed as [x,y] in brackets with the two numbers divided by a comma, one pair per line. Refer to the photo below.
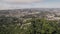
[17,4]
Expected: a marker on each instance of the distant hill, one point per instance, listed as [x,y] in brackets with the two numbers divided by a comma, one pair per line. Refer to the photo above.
[22,12]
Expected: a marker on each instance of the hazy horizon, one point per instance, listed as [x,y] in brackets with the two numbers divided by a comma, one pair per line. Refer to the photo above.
[21,4]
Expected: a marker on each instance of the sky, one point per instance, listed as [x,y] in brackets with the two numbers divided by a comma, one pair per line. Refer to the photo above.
[19,4]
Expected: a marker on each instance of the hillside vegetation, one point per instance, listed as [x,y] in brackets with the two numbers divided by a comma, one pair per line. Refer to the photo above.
[14,25]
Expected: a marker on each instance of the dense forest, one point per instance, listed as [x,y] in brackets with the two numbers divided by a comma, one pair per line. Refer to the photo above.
[14,25]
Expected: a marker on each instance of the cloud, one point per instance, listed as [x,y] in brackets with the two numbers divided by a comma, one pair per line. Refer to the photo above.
[14,4]
[8,6]
[21,1]
[17,4]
